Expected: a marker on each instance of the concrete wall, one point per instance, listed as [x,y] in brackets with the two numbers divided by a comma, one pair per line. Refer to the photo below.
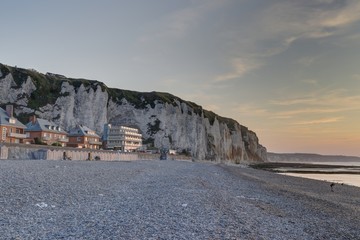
[42,152]
[3,152]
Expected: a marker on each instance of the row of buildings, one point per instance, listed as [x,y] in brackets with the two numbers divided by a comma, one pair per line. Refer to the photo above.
[41,131]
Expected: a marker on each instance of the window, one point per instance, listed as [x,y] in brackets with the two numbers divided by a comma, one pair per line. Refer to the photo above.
[78,139]
[3,134]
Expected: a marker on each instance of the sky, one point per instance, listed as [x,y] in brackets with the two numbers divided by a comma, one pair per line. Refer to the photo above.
[287,69]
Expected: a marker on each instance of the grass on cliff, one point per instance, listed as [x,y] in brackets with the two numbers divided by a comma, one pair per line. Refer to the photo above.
[48,88]
[141,100]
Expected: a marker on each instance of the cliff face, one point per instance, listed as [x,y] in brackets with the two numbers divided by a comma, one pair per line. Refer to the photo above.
[163,119]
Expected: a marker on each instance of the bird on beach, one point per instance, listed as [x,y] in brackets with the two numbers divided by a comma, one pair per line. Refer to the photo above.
[331,186]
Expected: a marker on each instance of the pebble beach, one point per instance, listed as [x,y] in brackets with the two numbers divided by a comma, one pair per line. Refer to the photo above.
[169,200]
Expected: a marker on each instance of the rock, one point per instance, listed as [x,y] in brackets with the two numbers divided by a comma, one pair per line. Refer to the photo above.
[163,119]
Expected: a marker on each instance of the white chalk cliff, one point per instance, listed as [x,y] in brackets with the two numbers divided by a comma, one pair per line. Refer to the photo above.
[163,119]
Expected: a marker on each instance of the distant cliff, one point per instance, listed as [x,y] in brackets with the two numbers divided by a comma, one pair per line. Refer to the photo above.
[309,158]
[163,119]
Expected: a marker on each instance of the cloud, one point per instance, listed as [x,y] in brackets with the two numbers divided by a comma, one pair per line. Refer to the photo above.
[293,101]
[285,22]
[345,16]
[306,61]
[240,67]
[251,110]
[277,25]
[325,1]
[316,96]
[179,23]
[307,111]
[311,81]
[327,104]
[356,77]
[324,22]
[319,121]
[319,103]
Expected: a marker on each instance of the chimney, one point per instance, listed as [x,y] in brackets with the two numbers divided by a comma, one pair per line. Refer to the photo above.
[10,110]
[33,119]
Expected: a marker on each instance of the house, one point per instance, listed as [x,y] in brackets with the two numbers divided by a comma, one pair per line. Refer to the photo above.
[121,138]
[41,131]
[11,130]
[83,137]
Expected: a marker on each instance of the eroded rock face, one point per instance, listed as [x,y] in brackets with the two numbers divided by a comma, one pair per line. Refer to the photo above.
[176,124]
[10,91]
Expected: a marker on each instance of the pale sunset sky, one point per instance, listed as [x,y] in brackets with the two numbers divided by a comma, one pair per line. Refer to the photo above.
[287,69]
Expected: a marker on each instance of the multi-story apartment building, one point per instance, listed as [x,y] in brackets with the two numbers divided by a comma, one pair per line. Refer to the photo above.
[11,130]
[121,138]
[43,131]
[83,137]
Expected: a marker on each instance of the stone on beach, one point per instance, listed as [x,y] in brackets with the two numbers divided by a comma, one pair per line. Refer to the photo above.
[168,200]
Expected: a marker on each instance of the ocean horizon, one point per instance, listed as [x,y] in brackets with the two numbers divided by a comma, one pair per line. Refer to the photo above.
[339,178]
[348,179]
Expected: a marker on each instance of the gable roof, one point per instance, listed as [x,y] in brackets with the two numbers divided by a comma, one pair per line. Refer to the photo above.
[45,126]
[5,120]
[81,130]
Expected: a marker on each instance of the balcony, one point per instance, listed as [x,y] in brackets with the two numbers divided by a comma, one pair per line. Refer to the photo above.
[94,142]
[133,144]
[133,138]
[17,135]
[46,138]
[119,138]
[133,134]
[62,139]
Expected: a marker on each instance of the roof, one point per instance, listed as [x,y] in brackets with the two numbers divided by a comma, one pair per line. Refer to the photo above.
[5,120]
[44,125]
[81,130]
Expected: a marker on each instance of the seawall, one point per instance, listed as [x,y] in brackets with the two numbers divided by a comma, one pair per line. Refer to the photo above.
[43,152]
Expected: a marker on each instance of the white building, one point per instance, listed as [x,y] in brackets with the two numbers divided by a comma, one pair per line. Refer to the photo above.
[121,138]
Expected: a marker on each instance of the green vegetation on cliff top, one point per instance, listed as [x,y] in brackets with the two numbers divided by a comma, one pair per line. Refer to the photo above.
[48,89]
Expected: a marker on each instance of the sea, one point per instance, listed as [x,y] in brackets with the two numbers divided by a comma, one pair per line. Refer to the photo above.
[348,179]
